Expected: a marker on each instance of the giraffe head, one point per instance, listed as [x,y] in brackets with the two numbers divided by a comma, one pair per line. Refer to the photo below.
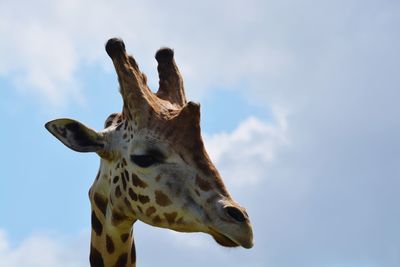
[154,166]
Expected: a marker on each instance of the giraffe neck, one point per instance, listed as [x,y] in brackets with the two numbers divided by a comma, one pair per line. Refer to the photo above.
[111,244]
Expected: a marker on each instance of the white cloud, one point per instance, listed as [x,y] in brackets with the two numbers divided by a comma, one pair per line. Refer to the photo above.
[45,44]
[38,58]
[44,250]
[242,155]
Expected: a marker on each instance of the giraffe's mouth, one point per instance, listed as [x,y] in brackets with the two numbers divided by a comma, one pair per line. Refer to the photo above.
[222,239]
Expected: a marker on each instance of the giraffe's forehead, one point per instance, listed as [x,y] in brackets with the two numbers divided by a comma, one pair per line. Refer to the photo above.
[126,137]
[170,125]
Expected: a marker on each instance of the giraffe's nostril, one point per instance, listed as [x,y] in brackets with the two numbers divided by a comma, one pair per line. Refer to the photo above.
[114,46]
[235,213]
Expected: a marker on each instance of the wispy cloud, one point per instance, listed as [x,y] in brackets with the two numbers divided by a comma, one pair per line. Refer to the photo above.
[45,44]
[242,155]
[44,250]
[38,57]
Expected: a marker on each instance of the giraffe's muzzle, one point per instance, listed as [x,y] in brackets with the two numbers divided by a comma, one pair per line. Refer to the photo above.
[232,228]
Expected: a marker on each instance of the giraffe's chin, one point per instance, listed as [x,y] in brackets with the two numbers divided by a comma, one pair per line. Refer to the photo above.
[223,240]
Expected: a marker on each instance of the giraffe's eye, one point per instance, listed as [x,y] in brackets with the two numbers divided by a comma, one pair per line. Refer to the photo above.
[144,161]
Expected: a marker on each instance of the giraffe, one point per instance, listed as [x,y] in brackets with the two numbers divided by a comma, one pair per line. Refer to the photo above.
[153,166]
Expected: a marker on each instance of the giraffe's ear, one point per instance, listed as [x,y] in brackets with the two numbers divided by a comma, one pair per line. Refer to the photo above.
[75,135]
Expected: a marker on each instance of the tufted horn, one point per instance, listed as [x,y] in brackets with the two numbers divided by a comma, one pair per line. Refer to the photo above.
[136,95]
[140,103]
[171,82]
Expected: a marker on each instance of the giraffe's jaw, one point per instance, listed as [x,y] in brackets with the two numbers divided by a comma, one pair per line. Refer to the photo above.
[226,241]
[223,240]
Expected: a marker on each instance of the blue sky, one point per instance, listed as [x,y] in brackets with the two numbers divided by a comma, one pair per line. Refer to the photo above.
[300,114]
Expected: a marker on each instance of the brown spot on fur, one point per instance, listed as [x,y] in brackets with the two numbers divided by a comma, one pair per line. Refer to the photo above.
[203,184]
[124,237]
[101,203]
[197,192]
[180,220]
[171,217]
[150,211]
[158,178]
[96,224]
[118,218]
[118,191]
[95,258]
[108,124]
[119,126]
[126,175]
[137,182]
[162,199]
[132,194]
[144,199]
[124,162]
[122,260]
[115,180]
[124,136]
[123,180]
[109,244]
[156,220]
